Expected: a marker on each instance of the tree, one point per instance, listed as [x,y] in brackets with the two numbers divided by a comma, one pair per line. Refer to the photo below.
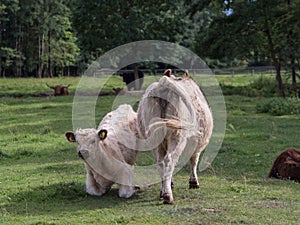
[61,45]
[36,37]
[252,28]
[104,25]
[10,55]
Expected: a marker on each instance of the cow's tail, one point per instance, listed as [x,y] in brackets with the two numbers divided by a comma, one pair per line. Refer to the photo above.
[171,123]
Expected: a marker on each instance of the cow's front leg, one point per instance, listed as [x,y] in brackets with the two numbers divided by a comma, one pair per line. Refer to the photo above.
[126,191]
[125,178]
[96,185]
[193,166]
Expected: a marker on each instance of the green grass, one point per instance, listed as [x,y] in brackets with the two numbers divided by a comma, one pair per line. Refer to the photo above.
[26,87]
[240,79]
[42,179]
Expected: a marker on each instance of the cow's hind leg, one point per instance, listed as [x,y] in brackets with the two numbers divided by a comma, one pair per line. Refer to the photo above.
[175,149]
[162,184]
[166,189]
[159,154]
[164,164]
[193,166]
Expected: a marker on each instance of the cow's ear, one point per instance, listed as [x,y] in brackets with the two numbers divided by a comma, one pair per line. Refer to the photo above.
[102,134]
[70,136]
[168,72]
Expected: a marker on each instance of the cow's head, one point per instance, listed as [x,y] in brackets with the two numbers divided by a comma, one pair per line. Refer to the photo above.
[87,141]
[60,89]
[99,151]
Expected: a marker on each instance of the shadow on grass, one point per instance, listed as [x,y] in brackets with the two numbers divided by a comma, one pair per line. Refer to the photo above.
[60,198]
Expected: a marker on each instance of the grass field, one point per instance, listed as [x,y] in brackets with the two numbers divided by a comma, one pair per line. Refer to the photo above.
[42,179]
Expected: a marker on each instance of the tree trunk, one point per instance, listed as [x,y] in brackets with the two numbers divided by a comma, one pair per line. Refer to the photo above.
[279,80]
[49,56]
[0,55]
[294,78]
[294,82]
[136,77]
[1,74]
[274,57]
[40,53]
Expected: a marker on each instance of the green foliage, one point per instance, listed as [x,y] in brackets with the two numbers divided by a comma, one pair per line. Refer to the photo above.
[262,86]
[261,31]
[216,63]
[36,38]
[279,106]
[10,57]
[104,25]
[254,29]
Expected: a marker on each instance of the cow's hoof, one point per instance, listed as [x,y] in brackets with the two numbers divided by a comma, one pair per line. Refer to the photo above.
[194,185]
[167,199]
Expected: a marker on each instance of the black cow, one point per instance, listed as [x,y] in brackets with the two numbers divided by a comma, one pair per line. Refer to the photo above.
[128,78]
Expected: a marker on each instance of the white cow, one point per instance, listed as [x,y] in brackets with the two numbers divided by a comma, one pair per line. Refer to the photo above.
[109,152]
[182,106]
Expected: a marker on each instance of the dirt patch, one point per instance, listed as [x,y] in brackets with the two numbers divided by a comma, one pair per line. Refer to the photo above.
[272,203]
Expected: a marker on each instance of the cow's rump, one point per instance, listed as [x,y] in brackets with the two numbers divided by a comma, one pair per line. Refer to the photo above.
[287,165]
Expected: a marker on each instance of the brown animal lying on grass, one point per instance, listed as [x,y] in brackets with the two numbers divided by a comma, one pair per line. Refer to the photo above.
[287,165]
[60,89]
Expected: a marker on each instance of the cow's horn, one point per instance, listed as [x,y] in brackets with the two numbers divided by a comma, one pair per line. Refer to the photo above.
[186,74]
[52,87]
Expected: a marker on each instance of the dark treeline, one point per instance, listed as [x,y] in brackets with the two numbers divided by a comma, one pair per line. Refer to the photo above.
[37,38]
[45,38]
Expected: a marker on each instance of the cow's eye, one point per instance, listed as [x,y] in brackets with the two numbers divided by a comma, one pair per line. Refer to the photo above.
[102,134]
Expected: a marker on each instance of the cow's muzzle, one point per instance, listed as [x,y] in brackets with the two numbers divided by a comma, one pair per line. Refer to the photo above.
[83,154]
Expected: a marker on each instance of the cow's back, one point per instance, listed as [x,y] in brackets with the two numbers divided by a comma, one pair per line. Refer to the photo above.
[122,132]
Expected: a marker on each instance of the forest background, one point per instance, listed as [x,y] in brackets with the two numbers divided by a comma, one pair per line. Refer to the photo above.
[47,38]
